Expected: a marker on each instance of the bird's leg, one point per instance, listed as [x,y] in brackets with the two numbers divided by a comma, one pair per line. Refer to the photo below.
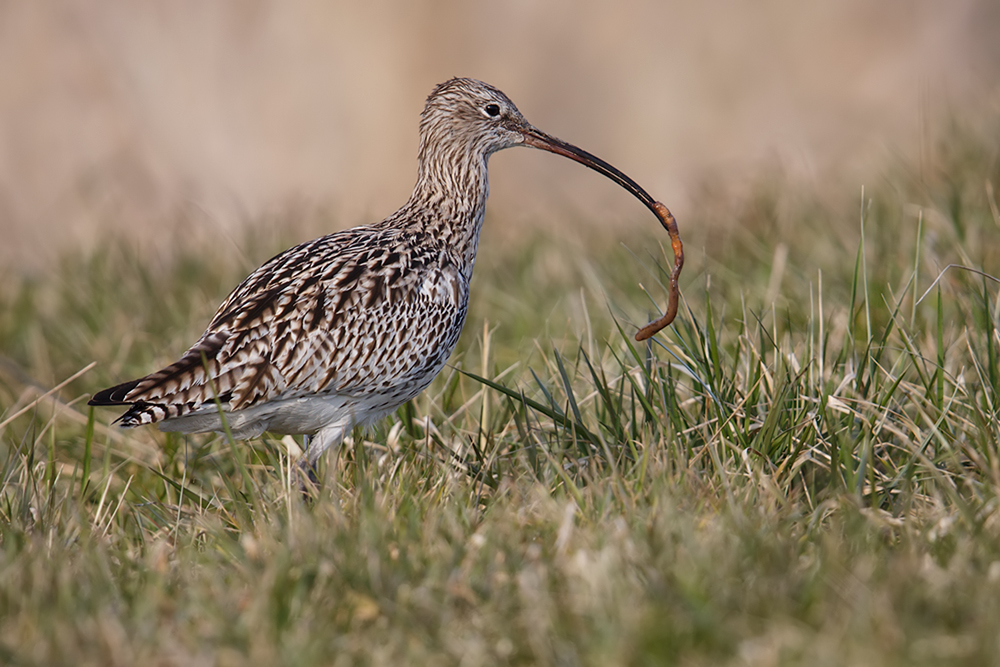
[315,446]
[308,478]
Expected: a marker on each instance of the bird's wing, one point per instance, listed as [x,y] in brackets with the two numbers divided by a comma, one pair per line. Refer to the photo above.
[359,312]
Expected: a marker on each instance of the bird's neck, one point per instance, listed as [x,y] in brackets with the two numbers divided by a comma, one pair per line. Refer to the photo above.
[449,202]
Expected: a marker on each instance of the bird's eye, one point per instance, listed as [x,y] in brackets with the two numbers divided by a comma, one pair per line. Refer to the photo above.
[492,110]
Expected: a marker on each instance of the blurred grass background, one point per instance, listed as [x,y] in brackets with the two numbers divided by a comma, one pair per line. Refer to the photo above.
[804,469]
[193,118]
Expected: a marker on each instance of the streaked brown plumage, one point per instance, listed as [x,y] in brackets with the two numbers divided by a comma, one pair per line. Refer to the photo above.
[339,331]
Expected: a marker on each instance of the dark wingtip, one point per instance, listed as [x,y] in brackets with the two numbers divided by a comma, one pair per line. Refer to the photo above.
[115,395]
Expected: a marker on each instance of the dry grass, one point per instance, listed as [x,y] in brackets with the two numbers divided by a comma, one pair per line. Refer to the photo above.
[804,470]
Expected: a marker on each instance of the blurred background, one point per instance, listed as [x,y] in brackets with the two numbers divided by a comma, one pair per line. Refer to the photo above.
[166,122]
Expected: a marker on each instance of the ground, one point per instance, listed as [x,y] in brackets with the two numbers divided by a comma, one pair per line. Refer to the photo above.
[803,469]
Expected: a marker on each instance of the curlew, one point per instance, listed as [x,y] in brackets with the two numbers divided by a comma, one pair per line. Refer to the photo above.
[339,331]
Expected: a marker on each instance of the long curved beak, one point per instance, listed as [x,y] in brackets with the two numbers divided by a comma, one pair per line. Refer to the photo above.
[537,139]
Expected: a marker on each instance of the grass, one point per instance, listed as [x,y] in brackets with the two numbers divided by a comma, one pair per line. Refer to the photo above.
[803,470]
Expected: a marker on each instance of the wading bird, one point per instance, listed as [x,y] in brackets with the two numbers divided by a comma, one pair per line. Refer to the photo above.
[340,331]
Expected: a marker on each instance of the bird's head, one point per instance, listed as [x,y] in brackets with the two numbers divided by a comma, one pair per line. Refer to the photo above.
[472,117]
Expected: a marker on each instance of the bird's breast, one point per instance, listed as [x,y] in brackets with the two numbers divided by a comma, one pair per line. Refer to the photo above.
[445,286]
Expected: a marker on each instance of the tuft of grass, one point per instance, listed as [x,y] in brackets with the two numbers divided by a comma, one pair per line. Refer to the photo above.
[803,469]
